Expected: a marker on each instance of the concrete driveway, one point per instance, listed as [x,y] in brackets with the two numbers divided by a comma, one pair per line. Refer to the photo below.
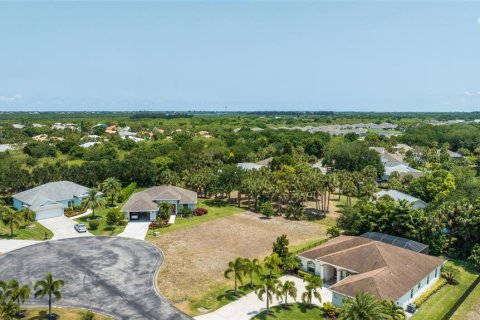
[10,244]
[62,228]
[249,306]
[135,230]
[112,275]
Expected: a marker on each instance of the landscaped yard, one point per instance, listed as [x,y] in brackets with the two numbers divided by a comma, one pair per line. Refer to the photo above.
[30,231]
[440,302]
[103,228]
[216,209]
[294,312]
[40,313]
[197,256]
[470,308]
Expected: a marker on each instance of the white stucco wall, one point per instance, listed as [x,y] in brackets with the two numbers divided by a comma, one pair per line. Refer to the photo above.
[337,299]
[432,279]
[304,267]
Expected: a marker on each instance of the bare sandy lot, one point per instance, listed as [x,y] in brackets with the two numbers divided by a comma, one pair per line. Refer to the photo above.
[196,257]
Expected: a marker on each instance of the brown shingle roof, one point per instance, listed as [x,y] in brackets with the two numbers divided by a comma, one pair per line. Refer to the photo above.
[384,270]
[144,200]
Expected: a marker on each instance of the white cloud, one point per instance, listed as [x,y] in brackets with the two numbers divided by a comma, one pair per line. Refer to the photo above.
[14,98]
[468,93]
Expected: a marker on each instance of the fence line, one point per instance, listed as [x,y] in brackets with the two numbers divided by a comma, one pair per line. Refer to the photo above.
[310,246]
[459,302]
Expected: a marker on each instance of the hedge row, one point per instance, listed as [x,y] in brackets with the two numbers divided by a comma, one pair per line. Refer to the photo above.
[427,294]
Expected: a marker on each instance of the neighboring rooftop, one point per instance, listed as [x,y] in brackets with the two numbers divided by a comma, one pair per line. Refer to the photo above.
[146,200]
[51,192]
[397,241]
[398,195]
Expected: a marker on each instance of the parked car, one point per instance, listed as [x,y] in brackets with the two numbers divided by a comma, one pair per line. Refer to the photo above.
[80,227]
[134,216]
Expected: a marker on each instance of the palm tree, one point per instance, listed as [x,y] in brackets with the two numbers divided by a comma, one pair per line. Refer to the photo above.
[111,187]
[92,201]
[28,215]
[291,262]
[19,293]
[49,286]
[311,289]
[268,289]
[272,262]
[364,307]
[394,311]
[251,267]
[8,307]
[10,218]
[450,273]
[165,209]
[236,268]
[286,289]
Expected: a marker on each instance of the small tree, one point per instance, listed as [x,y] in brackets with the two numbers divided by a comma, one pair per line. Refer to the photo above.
[280,246]
[267,210]
[28,215]
[291,262]
[285,290]
[20,294]
[272,262]
[236,268]
[111,187]
[10,218]
[269,289]
[311,289]
[112,219]
[92,201]
[450,273]
[49,287]
[165,210]
[251,267]
[474,257]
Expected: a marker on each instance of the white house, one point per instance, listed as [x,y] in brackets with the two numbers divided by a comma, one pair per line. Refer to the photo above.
[49,200]
[351,264]
[397,195]
[144,205]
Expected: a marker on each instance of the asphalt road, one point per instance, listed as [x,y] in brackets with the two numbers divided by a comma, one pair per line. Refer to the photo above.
[112,275]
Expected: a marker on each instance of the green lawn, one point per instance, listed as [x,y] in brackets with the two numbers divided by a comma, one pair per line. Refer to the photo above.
[216,209]
[103,229]
[30,231]
[38,313]
[439,303]
[471,304]
[294,312]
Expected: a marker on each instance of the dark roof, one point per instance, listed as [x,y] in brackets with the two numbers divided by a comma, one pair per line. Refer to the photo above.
[397,241]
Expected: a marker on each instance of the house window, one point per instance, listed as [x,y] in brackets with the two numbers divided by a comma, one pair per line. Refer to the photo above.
[185,206]
[411,294]
[436,272]
[311,267]
[428,279]
[418,287]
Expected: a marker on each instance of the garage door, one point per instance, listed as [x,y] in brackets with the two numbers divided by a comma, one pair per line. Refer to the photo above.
[45,214]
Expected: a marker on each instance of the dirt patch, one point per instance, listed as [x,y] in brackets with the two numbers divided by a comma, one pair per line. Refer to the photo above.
[196,257]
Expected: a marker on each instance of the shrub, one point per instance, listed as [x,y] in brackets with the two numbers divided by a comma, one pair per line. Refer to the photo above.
[450,273]
[427,294]
[301,273]
[200,212]
[94,224]
[267,210]
[474,257]
[333,231]
[112,217]
[87,315]
[186,212]
[123,222]
[127,192]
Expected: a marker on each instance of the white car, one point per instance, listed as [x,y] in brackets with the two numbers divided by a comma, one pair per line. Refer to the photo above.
[80,227]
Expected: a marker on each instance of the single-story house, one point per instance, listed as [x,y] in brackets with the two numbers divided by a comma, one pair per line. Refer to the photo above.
[400,167]
[350,264]
[49,200]
[255,165]
[144,205]
[397,195]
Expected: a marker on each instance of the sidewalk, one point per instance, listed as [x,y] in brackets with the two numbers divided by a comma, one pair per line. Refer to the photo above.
[10,245]
[248,306]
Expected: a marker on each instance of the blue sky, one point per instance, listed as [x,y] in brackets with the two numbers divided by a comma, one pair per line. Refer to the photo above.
[342,56]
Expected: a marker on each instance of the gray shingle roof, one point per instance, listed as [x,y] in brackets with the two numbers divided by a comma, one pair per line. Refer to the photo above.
[145,200]
[397,195]
[50,193]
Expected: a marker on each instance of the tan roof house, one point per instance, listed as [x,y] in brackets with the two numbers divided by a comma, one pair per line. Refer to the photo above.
[390,272]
